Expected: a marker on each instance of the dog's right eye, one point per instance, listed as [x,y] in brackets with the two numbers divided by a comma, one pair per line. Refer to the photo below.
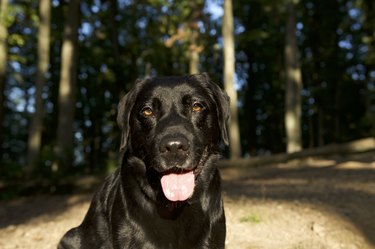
[147,111]
[197,107]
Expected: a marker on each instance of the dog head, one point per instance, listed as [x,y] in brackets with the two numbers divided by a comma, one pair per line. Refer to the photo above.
[173,124]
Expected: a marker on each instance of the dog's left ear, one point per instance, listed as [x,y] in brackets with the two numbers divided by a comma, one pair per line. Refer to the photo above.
[221,99]
[223,111]
[124,109]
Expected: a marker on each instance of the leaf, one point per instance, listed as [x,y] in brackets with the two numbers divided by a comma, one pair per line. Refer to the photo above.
[16,40]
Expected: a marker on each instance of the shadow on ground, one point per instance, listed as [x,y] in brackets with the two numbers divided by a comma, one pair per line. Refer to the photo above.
[25,209]
[37,200]
[343,186]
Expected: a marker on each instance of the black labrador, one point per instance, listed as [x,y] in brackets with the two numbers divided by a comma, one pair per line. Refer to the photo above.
[166,193]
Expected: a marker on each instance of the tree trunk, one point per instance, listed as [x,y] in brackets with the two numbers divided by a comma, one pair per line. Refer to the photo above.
[193,38]
[321,130]
[68,71]
[369,28]
[3,65]
[35,133]
[193,53]
[116,47]
[229,70]
[293,85]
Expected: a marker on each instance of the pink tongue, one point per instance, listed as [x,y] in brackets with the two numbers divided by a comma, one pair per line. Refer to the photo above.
[178,187]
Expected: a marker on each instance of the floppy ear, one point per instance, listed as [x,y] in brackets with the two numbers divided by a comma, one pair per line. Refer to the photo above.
[123,117]
[221,99]
[224,114]
[124,110]
[222,110]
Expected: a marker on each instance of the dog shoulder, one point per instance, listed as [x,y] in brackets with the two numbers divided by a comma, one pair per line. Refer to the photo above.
[96,222]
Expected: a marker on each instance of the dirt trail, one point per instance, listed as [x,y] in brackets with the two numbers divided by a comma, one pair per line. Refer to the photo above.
[310,204]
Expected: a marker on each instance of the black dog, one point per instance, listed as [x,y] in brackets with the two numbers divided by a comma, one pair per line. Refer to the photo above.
[166,194]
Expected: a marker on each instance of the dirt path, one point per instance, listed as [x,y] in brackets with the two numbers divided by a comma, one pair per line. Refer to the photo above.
[330,204]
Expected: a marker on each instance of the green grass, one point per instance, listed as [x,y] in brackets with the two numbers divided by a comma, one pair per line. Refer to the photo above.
[252,218]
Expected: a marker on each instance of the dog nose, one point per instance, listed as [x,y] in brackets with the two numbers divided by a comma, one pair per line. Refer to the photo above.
[174,145]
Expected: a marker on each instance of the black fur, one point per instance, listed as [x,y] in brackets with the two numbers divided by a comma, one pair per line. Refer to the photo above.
[130,209]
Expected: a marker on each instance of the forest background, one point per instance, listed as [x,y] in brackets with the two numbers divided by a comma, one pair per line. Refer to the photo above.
[64,65]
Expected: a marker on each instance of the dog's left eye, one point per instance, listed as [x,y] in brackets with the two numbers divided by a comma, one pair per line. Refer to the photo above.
[147,111]
[197,107]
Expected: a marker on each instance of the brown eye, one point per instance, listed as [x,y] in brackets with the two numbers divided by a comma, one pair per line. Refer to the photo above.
[147,111]
[197,107]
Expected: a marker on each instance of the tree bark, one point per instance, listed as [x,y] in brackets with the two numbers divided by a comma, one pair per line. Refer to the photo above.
[193,52]
[68,71]
[35,133]
[193,36]
[229,71]
[293,85]
[3,65]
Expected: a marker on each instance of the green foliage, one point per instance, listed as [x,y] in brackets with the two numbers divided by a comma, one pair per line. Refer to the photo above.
[16,40]
[12,12]
[121,41]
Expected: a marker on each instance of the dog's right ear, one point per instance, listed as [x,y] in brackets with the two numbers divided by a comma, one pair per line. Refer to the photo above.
[124,110]
[221,100]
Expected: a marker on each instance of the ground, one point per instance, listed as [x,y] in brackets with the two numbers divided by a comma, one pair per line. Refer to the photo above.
[306,204]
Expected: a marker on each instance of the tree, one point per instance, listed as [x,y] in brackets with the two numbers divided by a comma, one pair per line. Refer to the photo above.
[260,69]
[3,63]
[368,7]
[188,32]
[194,49]
[35,133]
[229,71]
[326,71]
[67,87]
[293,84]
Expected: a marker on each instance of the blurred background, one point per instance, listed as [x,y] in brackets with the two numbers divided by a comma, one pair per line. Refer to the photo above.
[304,75]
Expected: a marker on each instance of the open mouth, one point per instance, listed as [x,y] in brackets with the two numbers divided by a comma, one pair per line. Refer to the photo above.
[178,186]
